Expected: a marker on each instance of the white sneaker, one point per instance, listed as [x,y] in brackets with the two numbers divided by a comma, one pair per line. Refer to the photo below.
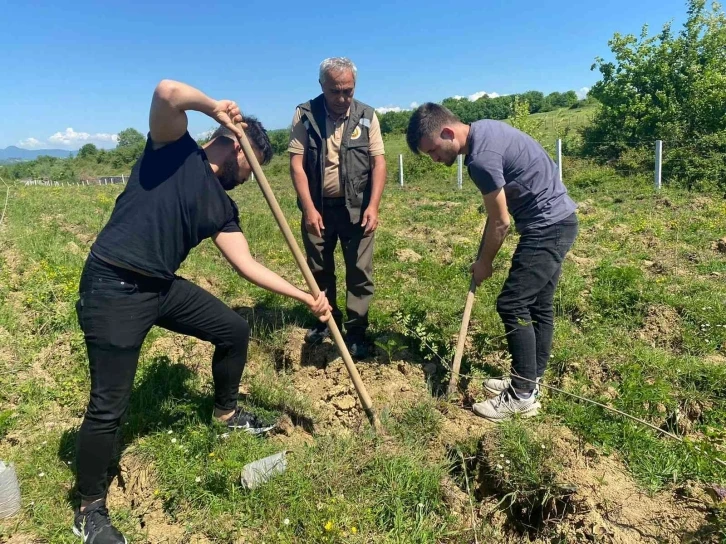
[506,405]
[497,385]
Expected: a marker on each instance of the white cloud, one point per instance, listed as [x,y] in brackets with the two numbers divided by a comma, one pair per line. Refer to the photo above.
[582,93]
[386,109]
[71,137]
[30,143]
[479,94]
[413,105]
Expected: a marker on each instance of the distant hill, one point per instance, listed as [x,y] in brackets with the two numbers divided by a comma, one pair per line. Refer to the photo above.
[16,154]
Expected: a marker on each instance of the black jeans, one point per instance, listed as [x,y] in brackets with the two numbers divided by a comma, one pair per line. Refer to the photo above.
[358,256]
[116,309]
[525,303]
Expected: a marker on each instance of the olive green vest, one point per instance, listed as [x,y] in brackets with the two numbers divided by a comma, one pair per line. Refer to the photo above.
[355,164]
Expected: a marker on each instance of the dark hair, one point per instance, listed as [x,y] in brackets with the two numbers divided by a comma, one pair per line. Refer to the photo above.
[426,121]
[256,134]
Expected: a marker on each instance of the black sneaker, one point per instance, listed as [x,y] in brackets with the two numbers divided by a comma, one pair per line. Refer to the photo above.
[94,526]
[317,334]
[249,423]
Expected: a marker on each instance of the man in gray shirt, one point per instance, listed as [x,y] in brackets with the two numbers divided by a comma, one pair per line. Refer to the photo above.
[516,176]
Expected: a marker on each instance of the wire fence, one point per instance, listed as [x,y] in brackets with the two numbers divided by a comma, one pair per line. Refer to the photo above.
[653,165]
[101,180]
[650,161]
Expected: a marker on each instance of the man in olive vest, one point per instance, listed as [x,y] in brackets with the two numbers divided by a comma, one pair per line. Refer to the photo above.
[338,168]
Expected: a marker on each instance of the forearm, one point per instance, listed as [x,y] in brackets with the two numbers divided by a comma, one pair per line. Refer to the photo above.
[495,232]
[235,249]
[378,180]
[263,277]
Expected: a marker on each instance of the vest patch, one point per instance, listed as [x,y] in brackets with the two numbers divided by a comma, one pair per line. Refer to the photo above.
[356,133]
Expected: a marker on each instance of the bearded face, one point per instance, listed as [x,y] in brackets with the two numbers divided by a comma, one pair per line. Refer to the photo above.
[234,171]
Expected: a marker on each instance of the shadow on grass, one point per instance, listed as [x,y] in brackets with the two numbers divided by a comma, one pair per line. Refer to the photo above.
[161,399]
[267,317]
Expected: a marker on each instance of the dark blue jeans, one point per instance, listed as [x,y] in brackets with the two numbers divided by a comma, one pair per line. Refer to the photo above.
[526,301]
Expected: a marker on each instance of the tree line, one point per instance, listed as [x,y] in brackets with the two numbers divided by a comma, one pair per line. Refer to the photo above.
[485,107]
[88,162]
[670,86]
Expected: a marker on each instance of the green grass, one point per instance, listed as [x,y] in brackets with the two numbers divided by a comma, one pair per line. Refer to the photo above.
[518,460]
[561,122]
[637,250]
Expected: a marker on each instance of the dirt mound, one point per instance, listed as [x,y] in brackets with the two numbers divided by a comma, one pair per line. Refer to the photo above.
[719,245]
[20,538]
[408,256]
[135,488]
[54,356]
[440,244]
[13,261]
[700,203]
[187,350]
[81,235]
[586,207]
[600,502]
[662,327]
[616,509]
[14,271]
[73,249]
[319,373]
[605,504]
[7,352]
[583,262]
[134,485]
[715,359]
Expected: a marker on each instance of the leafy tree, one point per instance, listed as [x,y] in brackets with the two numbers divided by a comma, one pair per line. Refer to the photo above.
[88,151]
[494,108]
[394,122]
[129,148]
[670,87]
[559,100]
[535,99]
[522,120]
[130,138]
[279,139]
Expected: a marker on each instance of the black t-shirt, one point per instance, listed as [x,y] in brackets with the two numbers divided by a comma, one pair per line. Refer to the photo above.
[171,203]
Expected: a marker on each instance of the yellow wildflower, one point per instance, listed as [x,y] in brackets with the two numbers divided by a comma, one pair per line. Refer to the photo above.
[329,526]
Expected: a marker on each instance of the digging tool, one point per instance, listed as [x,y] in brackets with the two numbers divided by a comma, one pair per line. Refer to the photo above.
[312,284]
[453,383]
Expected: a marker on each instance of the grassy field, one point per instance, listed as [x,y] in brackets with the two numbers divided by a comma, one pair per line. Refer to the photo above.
[641,326]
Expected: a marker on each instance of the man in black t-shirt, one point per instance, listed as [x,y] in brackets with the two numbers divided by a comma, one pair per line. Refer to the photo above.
[175,198]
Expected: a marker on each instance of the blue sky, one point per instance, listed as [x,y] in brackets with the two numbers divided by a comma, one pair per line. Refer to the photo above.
[83,71]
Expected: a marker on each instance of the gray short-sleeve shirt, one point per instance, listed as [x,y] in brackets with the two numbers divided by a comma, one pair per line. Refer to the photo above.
[502,156]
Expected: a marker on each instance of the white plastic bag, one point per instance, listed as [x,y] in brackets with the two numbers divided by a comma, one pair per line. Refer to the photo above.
[9,491]
[258,472]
